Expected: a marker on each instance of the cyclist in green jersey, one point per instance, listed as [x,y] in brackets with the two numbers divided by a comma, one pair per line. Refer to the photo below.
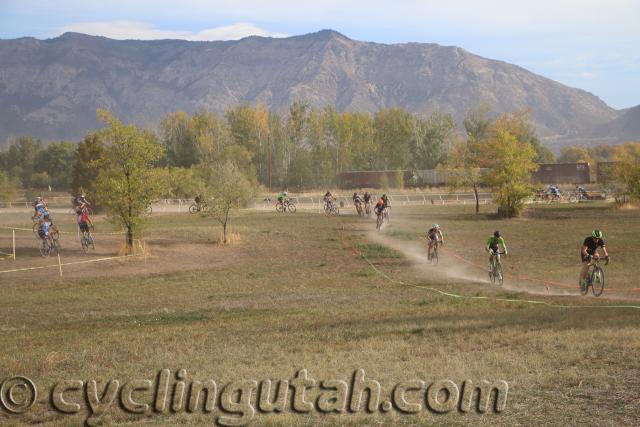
[493,243]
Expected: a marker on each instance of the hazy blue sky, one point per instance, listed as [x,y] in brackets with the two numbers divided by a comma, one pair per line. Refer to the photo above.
[590,44]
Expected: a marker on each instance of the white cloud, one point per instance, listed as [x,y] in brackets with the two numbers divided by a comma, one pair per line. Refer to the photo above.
[135,30]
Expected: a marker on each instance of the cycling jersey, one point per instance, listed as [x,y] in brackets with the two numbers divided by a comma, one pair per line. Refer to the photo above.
[493,242]
[592,245]
[432,234]
[83,217]
[44,228]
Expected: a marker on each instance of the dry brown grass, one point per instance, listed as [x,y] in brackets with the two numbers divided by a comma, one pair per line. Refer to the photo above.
[293,294]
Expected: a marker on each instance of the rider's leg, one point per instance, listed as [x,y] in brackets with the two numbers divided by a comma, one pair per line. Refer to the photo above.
[584,270]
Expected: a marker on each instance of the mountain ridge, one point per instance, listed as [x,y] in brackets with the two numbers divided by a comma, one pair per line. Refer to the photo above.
[51,88]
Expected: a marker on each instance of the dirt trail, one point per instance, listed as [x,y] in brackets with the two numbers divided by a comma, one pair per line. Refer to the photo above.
[450,268]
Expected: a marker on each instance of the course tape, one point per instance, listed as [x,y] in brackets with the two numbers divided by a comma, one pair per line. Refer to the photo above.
[69,263]
[486,298]
[66,232]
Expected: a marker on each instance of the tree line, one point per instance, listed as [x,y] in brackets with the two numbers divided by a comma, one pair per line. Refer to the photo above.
[307,148]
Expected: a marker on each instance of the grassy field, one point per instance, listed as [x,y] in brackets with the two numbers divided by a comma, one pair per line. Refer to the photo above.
[295,292]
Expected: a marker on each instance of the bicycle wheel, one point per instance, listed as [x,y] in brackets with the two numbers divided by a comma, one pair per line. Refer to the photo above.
[584,289]
[492,271]
[335,211]
[193,208]
[597,281]
[35,229]
[499,274]
[291,208]
[433,257]
[279,207]
[379,222]
[45,248]
[84,243]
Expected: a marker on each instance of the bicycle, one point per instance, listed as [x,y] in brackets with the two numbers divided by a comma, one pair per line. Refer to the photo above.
[359,209]
[386,214]
[379,220]
[367,208]
[595,279]
[48,247]
[198,207]
[330,208]
[432,255]
[86,240]
[495,272]
[286,206]
[55,232]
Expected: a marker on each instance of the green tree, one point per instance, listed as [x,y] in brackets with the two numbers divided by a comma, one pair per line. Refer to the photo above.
[7,188]
[627,168]
[178,135]
[575,154]
[432,140]
[464,164]
[512,163]
[393,133]
[127,180]
[85,169]
[21,159]
[57,161]
[226,189]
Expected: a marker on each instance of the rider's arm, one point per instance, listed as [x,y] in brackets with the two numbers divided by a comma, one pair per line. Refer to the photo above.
[604,250]
[441,237]
[584,250]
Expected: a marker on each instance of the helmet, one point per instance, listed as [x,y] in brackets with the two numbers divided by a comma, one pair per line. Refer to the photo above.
[497,233]
[436,226]
[597,234]
[384,196]
[355,194]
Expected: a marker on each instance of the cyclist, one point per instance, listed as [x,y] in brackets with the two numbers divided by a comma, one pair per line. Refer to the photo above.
[379,208]
[40,207]
[45,228]
[283,198]
[80,202]
[328,200]
[84,221]
[357,201]
[581,192]
[367,197]
[434,235]
[387,205]
[492,247]
[589,252]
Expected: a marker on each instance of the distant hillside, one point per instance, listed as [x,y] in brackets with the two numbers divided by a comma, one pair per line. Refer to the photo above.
[51,88]
[626,126]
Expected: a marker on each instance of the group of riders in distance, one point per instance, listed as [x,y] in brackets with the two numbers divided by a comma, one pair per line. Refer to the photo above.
[553,194]
[49,234]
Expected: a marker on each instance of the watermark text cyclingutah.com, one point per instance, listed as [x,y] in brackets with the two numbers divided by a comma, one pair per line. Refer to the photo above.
[237,403]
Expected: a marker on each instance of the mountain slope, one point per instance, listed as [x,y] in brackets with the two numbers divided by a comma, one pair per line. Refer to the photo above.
[51,88]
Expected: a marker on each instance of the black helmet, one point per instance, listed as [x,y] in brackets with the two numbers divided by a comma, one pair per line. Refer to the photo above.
[497,233]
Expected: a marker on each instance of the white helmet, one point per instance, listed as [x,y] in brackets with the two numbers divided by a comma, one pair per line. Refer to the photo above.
[436,226]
